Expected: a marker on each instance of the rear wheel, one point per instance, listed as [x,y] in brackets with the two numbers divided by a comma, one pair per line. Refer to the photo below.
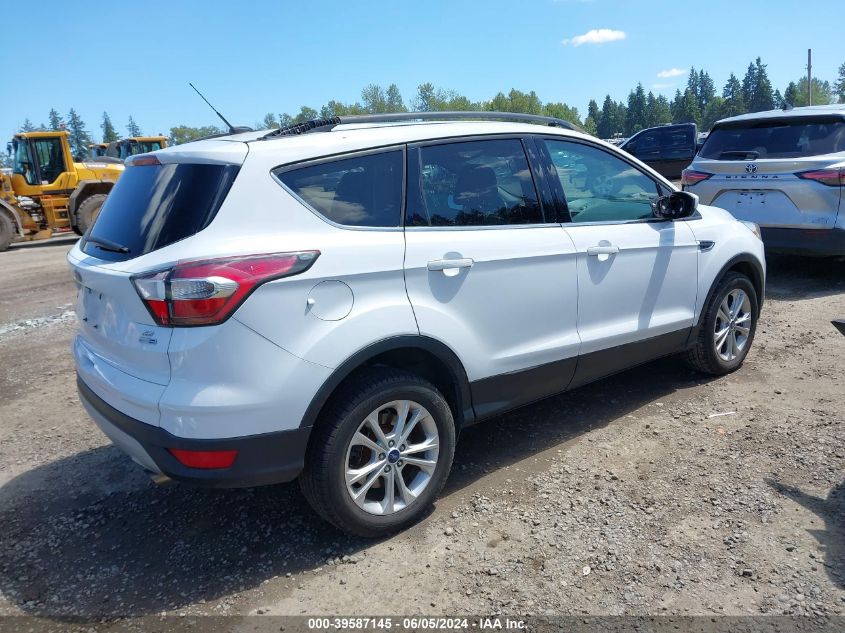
[380,454]
[88,211]
[728,324]
[7,231]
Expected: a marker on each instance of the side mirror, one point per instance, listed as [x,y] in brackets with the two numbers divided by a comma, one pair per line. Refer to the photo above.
[677,205]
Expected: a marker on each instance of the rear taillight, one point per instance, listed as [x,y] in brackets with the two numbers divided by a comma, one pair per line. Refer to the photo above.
[829,177]
[691,177]
[207,292]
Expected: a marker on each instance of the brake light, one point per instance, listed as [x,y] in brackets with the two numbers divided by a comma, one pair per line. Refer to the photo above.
[204,459]
[829,177]
[691,177]
[139,161]
[207,292]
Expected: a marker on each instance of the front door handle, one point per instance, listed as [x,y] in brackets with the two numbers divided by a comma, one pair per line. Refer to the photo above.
[604,249]
[448,264]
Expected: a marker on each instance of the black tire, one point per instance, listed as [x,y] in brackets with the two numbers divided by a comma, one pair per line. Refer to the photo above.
[7,231]
[87,212]
[703,355]
[323,480]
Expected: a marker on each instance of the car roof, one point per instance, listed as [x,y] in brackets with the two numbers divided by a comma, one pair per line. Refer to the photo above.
[362,136]
[804,111]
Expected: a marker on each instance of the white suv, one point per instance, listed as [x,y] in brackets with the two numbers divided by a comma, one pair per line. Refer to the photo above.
[335,301]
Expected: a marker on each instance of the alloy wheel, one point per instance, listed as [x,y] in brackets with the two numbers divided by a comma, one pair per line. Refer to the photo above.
[733,325]
[392,457]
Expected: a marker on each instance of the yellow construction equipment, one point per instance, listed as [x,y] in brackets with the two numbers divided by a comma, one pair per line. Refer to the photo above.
[47,191]
[126,147]
[97,150]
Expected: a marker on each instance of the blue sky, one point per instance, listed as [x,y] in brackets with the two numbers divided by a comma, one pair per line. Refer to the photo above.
[255,57]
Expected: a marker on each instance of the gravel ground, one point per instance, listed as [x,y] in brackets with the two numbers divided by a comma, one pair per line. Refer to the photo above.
[656,491]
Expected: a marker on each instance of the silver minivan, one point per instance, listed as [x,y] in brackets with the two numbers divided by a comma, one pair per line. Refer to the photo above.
[784,170]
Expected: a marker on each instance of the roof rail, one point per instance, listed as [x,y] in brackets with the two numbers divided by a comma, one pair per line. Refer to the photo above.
[329,123]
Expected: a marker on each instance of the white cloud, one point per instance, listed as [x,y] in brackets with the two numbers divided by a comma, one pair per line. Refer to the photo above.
[672,72]
[596,36]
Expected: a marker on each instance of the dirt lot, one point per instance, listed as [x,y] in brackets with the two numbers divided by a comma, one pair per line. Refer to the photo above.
[656,491]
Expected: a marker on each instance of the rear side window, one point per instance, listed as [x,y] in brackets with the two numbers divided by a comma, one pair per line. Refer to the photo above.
[152,206]
[356,191]
[775,138]
[474,183]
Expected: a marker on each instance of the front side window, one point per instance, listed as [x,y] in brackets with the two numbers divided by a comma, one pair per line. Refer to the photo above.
[472,183]
[600,187]
[357,191]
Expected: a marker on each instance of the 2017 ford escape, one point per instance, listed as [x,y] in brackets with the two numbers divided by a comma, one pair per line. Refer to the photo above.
[337,300]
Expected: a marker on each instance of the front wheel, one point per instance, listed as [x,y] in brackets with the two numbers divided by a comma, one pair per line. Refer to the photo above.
[728,324]
[380,454]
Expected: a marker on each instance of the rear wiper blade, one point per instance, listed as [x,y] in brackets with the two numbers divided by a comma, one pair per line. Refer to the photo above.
[742,153]
[107,245]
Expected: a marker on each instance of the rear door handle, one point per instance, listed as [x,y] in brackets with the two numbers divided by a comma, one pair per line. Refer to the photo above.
[603,250]
[447,264]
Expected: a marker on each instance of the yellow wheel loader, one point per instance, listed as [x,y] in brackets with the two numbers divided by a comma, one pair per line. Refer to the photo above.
[48,191]
[126,147]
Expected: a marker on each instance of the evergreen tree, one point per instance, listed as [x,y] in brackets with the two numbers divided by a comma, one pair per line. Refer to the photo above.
[839,86]
[712,112]
[594,114]
[686,109]
[133,128]
[706,90]
[79,136]
[676,103]
[605,127]
[636,118]
[657,110]
[764,94]
[27,126]
[56,121]
[757,92]
[693,85]
[778,99]
[749,85]
[734,102]
[109,133]
[790,95]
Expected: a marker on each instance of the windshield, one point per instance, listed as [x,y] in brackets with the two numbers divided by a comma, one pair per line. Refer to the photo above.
[775,138]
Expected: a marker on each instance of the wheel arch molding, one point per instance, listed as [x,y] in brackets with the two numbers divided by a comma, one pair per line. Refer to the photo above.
[419,354]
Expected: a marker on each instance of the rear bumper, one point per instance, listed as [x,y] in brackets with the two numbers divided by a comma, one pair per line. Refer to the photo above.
[817,242]
[262,459]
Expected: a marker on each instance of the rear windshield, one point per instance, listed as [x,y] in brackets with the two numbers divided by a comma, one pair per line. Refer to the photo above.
[775,138]
[152,206]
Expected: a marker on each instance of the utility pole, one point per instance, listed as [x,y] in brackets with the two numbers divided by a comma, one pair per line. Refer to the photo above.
[809,76]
